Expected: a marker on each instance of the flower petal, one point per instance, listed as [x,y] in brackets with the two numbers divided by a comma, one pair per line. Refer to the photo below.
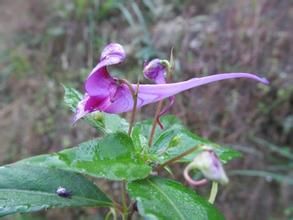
[99,80]
[153,93]
[90,104]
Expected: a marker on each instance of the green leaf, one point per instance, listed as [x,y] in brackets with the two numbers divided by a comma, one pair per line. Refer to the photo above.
[71,97]
[164,199]
[140,141]
[175,139]
[112,157]
[25,188]
[107,123]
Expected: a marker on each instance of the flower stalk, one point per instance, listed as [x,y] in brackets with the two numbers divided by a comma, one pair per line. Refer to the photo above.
[133,114]
[213,193]
[168,162]
[134,96]
[155,122]
[124,201]
[157,71]
[112,213]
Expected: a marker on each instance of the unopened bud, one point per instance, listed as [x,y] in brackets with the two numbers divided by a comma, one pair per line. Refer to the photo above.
[156,71]
[210,166]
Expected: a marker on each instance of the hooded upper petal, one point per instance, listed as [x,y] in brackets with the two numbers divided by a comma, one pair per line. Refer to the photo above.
[99,80]
[100,86]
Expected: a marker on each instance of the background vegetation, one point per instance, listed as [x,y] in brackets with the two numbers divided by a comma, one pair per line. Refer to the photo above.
[46,43]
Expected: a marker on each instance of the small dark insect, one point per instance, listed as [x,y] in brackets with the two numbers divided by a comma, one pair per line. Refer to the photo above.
[63,192]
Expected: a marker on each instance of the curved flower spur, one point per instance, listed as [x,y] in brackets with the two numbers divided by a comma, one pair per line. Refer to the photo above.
[108,94]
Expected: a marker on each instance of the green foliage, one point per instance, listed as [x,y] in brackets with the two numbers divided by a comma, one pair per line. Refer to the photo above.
[112,157]
[165,199]
[106,123]
[175,139]
[71,97]
[25,188]
[115,156]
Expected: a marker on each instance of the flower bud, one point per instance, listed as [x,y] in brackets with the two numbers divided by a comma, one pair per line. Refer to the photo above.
[156,71]
[209,164]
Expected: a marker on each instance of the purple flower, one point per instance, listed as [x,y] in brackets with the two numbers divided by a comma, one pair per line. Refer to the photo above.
[111,95]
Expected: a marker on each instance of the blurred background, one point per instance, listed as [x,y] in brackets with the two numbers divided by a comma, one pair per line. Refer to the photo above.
[44,44]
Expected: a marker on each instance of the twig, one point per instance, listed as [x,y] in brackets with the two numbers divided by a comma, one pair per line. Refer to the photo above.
[131,210]
[176,158]
[158,114]
[124,201]
[134,94]
[155,122]
[133,114]
[111,212]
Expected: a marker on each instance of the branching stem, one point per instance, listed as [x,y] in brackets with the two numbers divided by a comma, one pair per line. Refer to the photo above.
[112,213]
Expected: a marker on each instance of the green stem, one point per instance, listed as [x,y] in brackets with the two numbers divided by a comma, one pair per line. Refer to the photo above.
[117,207]
[112,212]
[130,210]
[134,94]
[133,114]
[170,70]
[155,121]
[189,151]
[213,193]
[124,201]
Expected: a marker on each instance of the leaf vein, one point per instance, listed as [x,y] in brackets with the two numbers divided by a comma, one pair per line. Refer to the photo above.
[167,198]
[52,194]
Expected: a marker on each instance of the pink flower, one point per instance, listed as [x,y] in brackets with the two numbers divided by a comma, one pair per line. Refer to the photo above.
[111,95]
